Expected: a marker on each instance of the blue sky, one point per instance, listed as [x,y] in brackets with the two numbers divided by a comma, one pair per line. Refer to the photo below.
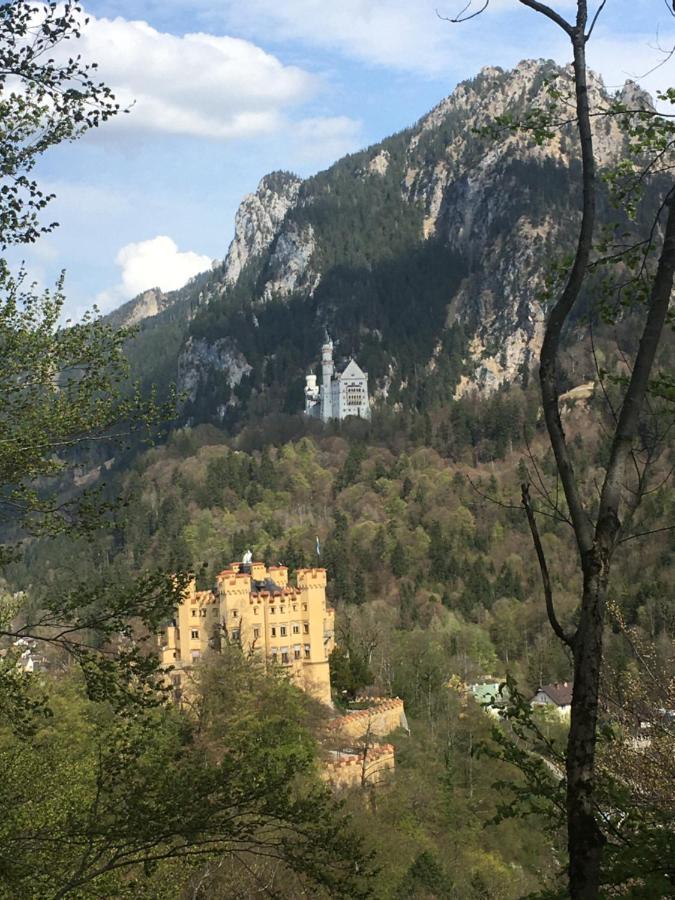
[226,91]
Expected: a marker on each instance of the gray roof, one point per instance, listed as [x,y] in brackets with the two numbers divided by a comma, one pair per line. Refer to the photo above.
[353,370]
[560,692]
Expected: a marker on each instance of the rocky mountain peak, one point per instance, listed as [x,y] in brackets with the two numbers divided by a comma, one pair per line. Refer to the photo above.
[635,96]
[145,306]
[258,220]
[425,255]
[469,187]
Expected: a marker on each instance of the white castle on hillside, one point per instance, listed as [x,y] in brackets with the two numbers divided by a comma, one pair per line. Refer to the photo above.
[340,395]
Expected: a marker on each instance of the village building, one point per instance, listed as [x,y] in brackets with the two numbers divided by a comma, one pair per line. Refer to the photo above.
[340,394]
[557,696]
[493,696]
[25,656]
[256,607]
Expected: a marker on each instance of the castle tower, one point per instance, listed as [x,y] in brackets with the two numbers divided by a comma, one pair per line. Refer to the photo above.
[256,607]
[321,620]
[311,395]
[327,370]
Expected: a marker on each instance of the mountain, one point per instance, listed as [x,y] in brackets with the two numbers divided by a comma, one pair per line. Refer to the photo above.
[425,256]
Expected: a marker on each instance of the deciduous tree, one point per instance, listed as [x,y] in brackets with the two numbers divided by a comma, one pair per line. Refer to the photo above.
[46,97]
[600,526]
[63,386]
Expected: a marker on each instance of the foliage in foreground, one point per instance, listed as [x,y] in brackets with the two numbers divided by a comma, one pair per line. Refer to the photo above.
[104,803]
[635,812]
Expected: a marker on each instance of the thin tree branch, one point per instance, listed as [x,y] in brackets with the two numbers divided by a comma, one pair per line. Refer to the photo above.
[549,13]
[598,372]
[542,490]
[545,577]
[548,369]
[595,19]
[608,514]
[640,534]
[540,512]
[460,17]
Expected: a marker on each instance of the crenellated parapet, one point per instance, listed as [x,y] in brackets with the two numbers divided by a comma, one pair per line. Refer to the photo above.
[383,716]
[347,769]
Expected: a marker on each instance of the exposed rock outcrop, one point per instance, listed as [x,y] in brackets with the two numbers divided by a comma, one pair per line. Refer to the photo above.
[289,265]
[147,305]
[468,200]
[201,358]
[258,220]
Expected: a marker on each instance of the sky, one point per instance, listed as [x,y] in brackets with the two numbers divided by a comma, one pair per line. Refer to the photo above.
[220,92]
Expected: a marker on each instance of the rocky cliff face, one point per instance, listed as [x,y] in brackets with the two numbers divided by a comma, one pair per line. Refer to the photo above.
[479,206]
[198,361]
[258,220]
[145,306]
[424,255]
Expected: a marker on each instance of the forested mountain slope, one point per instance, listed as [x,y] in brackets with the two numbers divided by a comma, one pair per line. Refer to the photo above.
[435,583]
[424,255]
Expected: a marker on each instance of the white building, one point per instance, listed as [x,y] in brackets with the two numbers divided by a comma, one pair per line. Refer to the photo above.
[557,696]
[340,395]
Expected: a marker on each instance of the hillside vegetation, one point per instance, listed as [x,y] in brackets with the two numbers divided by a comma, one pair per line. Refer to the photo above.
[435,582]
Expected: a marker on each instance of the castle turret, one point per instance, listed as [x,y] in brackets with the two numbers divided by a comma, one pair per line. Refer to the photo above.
[327,370]
[311,395]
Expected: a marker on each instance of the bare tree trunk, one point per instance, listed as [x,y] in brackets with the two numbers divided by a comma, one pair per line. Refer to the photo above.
[596,536]
[585,839]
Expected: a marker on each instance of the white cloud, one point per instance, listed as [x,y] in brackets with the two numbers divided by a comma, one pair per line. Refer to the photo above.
[158,263]
[409,35]
[196,84]
[153,263]
[395,33]
[636,58]
[323,139]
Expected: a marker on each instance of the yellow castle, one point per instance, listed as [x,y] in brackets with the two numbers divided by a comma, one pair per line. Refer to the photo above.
[255,606]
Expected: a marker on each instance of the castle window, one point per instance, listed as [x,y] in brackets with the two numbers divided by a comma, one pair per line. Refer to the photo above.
[195,654]
[273,610]
[305,627]
[194,634]
[296,629]
[235,634]
[284,656]
[274,656]
[234,613]
[282,631]
[281,609]
[304,606]
[256,633]
[202,613]
[274,631]
[194,613]
[296,652]
[306,651]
